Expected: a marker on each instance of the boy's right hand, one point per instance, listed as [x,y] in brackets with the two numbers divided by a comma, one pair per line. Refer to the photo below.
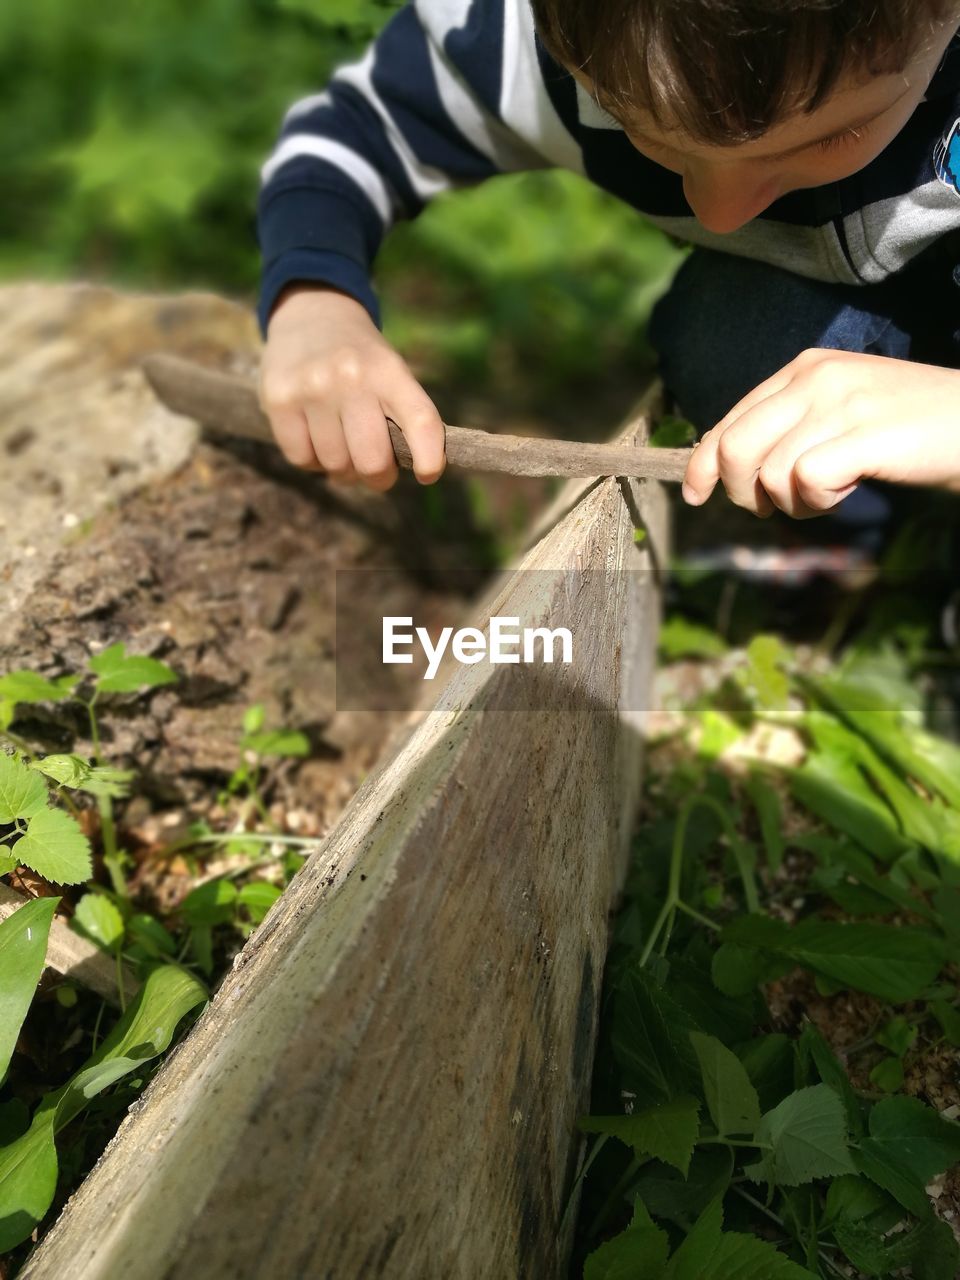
[328,382]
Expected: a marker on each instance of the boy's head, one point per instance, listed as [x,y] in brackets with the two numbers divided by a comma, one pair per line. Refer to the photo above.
[750,99]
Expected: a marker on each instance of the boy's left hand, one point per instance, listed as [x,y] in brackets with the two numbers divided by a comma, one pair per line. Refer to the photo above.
[803,439]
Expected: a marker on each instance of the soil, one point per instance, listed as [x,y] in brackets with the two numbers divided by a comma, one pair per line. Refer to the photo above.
[120,522]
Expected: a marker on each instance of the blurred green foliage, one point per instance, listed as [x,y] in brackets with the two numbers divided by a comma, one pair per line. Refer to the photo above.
[132,140]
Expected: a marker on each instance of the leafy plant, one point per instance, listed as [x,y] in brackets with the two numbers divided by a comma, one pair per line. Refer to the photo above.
[50,841]
[718,1117]
[28,1164]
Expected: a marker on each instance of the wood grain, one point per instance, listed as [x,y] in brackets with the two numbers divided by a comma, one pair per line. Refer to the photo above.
[387,1084]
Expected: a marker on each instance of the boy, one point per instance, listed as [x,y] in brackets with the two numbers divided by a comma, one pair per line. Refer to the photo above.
[809,147]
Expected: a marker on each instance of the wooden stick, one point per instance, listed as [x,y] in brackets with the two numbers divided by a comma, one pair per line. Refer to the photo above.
[230,404]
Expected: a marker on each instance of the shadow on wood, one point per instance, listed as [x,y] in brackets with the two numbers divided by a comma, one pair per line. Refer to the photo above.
[388,1082]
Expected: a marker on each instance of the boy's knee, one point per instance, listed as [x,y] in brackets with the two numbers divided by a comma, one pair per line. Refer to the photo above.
[728,323]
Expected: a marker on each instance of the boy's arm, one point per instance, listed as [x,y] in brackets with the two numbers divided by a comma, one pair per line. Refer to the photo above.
[805,438]
[420,113]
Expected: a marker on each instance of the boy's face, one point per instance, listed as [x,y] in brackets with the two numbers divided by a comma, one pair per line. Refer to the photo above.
[727,186]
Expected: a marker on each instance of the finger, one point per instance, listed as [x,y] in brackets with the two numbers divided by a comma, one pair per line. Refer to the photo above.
[771,386]
[329,445]
[742,449]
[830,471]
[784,476]
[292,434]
[703,472]
[368,440]
[702,477]
[418,419]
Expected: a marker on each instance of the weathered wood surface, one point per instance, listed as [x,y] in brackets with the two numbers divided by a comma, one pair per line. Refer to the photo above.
[387,1083]
[229,403]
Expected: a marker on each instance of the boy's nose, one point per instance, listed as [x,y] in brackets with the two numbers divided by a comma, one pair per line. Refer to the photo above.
[725,202]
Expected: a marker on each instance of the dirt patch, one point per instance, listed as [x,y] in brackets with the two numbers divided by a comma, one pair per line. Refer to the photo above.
[215,557]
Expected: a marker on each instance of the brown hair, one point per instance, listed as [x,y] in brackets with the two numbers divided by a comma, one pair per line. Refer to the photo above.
[725,71]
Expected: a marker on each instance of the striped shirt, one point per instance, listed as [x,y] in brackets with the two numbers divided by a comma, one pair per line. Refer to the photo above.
[454,91]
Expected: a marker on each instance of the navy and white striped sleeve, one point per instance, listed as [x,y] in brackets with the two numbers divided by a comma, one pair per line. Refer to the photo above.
[421,112]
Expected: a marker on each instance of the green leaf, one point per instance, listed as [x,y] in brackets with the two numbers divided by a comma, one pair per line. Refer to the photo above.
[737,971]
[898,1035]
[916,1136]
[106,781]
[894,964]
[23,948]
[670,1196]
[924,820]
[928,1251]
[22,793]
[681,638]
[718,731]
[731,1098]
[28,1166]
[211,903]
[833,788]
[55,847]
[808,1136]
[770,1062]
[253,718]
[650,1040]
[763,932]
[934,762]
[875,1162]
[123,162]
[118,673]
[278,742]
[709,1253]
[672,432]
[80,775]
[258,897]
[690,985]
[949,1019]
[702,1238]
[28,1179]
[841,856]
[27,686]
[67,769]
[8,861]
[150,934]
[935,1252]
[770,682]
[832,1073]
[858,1200]
[766,801]
[887,1075]
[98,920]
[668,1132]
[641,1250]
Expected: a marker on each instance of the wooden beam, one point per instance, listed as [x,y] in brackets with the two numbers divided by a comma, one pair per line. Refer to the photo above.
[387,1084]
